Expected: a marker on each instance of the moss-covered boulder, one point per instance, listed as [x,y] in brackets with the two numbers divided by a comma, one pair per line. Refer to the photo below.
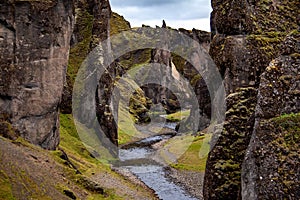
[271,166]
[223,171]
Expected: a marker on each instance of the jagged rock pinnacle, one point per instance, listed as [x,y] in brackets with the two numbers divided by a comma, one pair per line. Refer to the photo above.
[164,24]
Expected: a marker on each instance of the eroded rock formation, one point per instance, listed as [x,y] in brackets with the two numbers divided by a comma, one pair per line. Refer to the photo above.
[34,49]
[92,26]
[248,35]
[169,69]
[271,166]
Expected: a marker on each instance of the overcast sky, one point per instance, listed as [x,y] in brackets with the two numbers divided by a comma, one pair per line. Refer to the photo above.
[186,14]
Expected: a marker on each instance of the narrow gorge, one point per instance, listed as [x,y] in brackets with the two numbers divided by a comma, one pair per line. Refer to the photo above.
[92,108]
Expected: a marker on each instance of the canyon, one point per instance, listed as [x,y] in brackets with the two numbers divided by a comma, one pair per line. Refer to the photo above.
[254,45]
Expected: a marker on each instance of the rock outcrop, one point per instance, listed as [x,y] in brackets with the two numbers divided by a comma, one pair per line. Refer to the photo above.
[247,36]
[34,48]
[195,78]
[272,163]
[170,66]
[161,62]
[92,27]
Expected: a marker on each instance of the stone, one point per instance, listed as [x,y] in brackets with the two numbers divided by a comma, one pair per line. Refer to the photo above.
[270,169]
[246,37]
[34,57]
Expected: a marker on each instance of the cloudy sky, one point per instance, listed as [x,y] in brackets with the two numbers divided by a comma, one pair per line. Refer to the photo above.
[177,13]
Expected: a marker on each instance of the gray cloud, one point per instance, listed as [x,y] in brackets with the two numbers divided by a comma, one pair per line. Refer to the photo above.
[170,10]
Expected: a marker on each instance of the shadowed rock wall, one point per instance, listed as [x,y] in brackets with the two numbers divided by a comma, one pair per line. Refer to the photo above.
[34,50]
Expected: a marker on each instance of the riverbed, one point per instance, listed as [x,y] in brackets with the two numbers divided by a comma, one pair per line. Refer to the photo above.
[143,161]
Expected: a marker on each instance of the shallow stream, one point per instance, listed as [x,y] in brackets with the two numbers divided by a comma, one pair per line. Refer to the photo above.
[141,160]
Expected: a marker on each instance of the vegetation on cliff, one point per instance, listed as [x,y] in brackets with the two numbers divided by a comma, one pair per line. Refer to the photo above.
[251,38]
[27,171]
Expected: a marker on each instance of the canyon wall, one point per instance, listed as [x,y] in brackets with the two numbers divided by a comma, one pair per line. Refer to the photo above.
[247,36]
[34,48]
[271,166]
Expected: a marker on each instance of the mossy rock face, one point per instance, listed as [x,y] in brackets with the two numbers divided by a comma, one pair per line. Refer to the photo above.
[91,27]
[7,130]
[223,171]
[270,169]
[118,24]
[80,47]
[278,86]
[248,17]
[247,37]
[242,59]
[273,164]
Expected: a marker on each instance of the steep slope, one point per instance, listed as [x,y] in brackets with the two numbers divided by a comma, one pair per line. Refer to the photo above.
[71,172]
[247,36]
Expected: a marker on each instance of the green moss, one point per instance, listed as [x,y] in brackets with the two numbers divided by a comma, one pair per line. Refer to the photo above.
[290,125]
[74,146]
[179,62]
[79,51]
[118,24]
[7,130]
[62,188]
[268,43]
[178,116]
[135,60]
[295,55]
[5,187]
[194,156]
[227,165]
[195,80]
[280,15]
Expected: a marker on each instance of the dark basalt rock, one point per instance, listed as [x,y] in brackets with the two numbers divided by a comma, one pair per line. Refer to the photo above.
[247,36]
[271,166]
[34,49]
[223,172]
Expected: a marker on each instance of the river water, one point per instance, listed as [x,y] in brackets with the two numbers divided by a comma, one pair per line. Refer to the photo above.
[141,160]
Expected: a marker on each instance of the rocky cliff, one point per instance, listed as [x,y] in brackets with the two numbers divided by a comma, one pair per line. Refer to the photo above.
[34,49]
[92,26]
[271,166]
[247,36]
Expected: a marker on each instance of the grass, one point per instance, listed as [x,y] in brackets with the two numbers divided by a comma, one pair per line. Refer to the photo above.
[128,115]
[5,187]
[80,156]
[191,152]
[74,146]
[126,129]
[178,116]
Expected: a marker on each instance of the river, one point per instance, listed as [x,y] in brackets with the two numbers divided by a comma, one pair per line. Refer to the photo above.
[142,161]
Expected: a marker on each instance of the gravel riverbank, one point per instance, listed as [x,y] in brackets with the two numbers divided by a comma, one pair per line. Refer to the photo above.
[191,181]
